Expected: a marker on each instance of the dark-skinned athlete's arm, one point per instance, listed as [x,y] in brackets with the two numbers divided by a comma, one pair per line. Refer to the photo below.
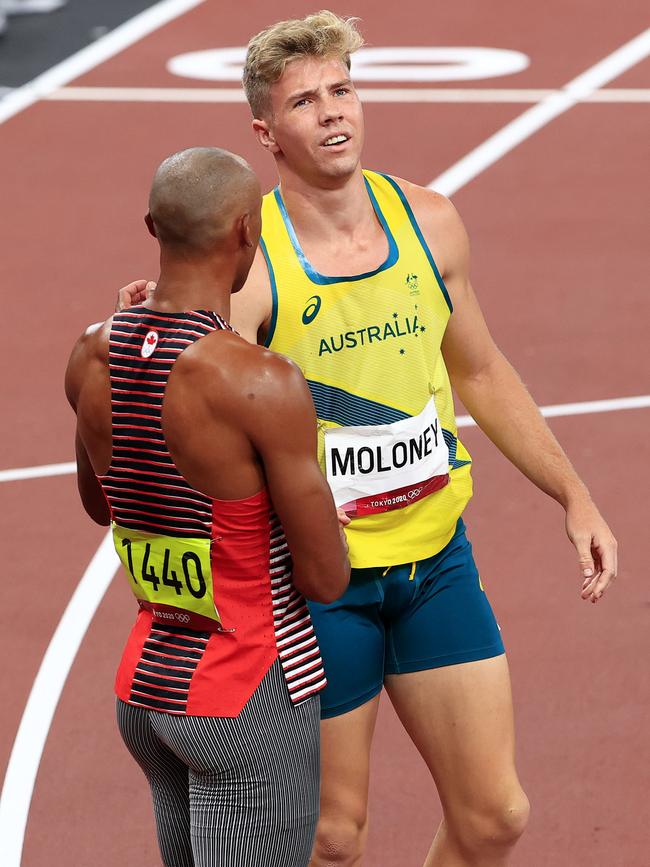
[90,491]
[282,429]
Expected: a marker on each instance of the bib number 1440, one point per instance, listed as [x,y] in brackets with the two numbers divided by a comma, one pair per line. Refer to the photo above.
[190,565]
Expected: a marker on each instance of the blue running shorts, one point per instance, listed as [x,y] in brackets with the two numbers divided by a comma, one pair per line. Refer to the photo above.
[401,619]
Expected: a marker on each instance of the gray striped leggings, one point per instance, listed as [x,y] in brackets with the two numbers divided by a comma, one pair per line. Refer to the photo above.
[237,792]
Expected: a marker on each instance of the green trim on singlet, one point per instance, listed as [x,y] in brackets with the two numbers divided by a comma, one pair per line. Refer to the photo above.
[346,409]
[274,294]
[322,279]
[420,237]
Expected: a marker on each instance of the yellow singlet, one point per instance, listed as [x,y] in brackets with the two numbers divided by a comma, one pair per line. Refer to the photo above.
[369,347]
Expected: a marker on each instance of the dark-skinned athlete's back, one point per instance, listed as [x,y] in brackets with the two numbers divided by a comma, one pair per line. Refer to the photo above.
[200,450]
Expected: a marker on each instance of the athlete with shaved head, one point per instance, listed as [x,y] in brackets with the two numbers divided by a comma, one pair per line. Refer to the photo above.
[363,280]
[200,449]
[195,197]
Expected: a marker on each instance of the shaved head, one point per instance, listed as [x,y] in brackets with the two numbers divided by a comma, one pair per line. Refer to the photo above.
[199,197]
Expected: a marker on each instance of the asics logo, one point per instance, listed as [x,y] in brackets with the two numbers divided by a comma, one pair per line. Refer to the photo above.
[311,310]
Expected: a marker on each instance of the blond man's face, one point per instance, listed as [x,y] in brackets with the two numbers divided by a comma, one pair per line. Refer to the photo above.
[316,125]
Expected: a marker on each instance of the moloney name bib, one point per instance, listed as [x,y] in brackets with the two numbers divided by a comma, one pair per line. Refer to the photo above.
[378,468]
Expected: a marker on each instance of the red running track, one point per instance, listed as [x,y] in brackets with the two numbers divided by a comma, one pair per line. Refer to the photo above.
[558,242]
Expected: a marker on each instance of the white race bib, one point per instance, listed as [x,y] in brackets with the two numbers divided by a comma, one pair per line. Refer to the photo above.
[378,468]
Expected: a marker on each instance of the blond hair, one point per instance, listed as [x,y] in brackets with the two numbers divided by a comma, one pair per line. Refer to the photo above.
[322,34]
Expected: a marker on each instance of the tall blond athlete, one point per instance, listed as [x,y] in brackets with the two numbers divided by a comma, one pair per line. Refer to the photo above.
[363,280]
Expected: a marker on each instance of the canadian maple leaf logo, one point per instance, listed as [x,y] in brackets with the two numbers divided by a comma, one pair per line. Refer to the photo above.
[149,344]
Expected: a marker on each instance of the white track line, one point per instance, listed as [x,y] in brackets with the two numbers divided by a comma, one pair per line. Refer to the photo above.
[34,726]
[586,407]
[532,120]
[44,697]
[556,410]
[375,94]
[41,472]
[612,94]
[236,94]
[92,55]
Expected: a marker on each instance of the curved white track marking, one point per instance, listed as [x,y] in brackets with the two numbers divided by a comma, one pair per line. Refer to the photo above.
[532,120]
[44,697]
[92,55]
[615,404]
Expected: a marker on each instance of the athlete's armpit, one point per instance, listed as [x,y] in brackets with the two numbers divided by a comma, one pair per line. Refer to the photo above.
[444,233]
[90,491]
[468,348]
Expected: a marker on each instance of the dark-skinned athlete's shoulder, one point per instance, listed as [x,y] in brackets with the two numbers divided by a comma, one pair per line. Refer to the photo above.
[250,375]
[91,346]
[441,226]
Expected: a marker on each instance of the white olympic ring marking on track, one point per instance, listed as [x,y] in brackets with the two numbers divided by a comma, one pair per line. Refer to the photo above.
[400,63]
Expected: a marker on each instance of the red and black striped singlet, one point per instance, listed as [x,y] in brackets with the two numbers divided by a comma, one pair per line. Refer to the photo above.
[213,577]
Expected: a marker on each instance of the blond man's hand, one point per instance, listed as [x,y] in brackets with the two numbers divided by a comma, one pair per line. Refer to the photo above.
[134,293]
[596,547]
